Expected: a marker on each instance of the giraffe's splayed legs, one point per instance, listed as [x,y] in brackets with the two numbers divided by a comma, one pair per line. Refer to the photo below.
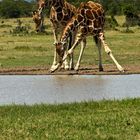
[109,52]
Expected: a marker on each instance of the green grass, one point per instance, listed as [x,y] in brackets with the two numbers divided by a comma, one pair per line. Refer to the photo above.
[104,120]
[37,50]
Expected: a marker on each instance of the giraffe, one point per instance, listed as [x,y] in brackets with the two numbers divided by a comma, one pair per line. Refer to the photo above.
[38,18]
[88,20]
[61,12]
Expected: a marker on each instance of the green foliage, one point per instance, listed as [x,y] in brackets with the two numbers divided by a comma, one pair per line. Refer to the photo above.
[111,23]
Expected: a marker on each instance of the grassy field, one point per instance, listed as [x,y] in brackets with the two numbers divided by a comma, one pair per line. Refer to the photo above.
[36,50]
[105,120]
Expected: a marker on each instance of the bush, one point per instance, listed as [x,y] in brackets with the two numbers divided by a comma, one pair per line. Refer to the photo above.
[19,29]
[111,23]
[14,8]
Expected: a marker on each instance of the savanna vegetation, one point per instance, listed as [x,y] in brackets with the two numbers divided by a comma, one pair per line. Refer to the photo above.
[21,47]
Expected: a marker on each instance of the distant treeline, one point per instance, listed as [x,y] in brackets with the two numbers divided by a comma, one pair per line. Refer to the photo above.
[115,7]
[22,8]
[16,8]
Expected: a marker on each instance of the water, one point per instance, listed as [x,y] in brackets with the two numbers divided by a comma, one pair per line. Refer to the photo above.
[66,89]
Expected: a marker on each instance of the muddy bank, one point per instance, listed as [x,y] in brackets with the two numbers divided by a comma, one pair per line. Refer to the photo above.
[84,70]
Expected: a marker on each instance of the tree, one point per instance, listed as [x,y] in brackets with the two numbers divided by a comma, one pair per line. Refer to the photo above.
[15,8]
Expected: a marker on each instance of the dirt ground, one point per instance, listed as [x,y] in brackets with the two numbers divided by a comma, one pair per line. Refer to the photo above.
[88,70]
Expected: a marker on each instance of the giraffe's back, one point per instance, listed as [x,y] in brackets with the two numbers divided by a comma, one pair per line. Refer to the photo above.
[60,17]
[91,17]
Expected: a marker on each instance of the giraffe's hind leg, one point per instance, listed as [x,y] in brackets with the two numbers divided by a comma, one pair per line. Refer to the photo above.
[71,56]
[109,52]
[98,44]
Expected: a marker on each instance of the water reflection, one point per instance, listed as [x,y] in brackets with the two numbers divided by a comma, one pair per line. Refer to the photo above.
[64,88]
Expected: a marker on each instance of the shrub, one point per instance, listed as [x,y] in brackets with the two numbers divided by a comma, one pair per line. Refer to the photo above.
[19,29]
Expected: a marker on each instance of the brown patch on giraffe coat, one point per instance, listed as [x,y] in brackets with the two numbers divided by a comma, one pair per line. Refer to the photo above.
[99,12]
[59,16]
[84,30]
[89,22]
[75,23]
[66,18]
[89,14]
[90,29]
[96,24]
[59,9]
[82,11]
[95,14]
[80,18]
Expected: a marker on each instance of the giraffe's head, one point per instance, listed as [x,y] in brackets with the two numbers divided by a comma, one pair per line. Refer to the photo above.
[38,19]
[41,4]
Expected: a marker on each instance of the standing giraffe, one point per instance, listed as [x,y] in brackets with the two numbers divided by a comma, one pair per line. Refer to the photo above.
[89,20]
[38,18]
[61,12]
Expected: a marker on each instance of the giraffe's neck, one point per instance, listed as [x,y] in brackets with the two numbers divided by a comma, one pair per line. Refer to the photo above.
[71,27]
[58,5]
[62,12]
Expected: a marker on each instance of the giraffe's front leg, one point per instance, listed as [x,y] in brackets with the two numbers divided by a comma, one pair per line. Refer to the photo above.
[70,51]
[55,67]
[65,64]
[54,60]
[83,45]
[55,53]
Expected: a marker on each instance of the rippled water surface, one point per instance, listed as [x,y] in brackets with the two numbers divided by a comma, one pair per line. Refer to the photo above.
[66,89]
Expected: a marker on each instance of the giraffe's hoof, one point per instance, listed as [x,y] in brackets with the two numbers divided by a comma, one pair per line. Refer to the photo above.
[76,68]
[101,69]
[72,68]
[122,71]
[66,67]
[53,69]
